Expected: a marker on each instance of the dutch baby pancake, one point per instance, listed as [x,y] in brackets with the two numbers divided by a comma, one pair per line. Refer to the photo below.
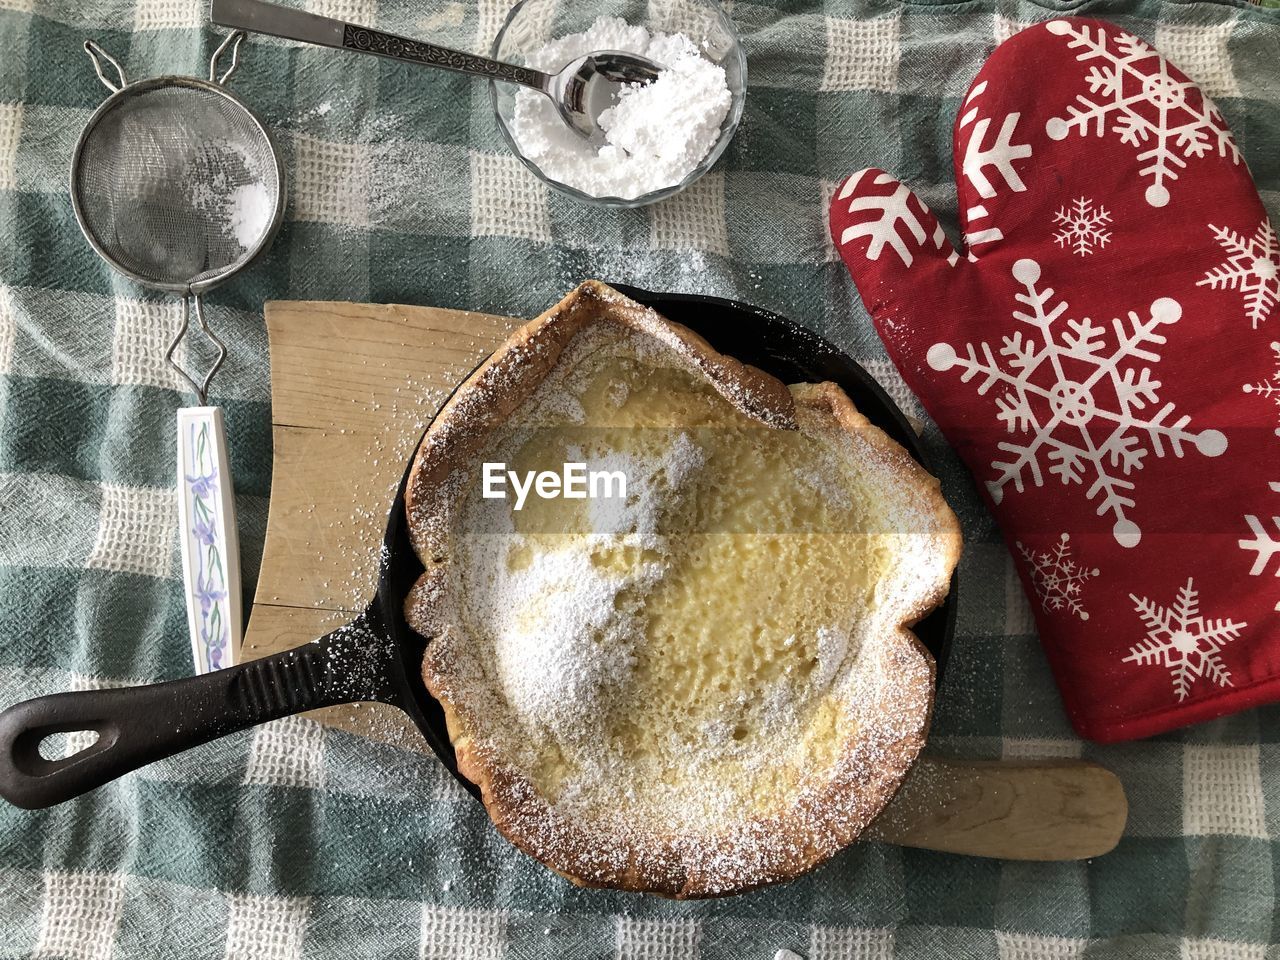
[697,679]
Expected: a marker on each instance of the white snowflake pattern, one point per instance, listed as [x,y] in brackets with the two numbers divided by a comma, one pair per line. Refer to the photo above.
[987,156]
[1083,226]
[1057,578]
[1079,403]
[988,165]
[1269,389]
[1252,268]
[1182,641]
[1266,545]
[1169,121]
[894,219]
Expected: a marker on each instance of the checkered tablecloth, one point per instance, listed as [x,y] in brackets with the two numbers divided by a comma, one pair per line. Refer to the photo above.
[299,842]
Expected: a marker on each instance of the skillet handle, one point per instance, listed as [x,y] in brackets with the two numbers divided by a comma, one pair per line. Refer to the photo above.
[138,725]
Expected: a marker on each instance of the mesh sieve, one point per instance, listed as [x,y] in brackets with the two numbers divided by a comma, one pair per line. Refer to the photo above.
[177,185]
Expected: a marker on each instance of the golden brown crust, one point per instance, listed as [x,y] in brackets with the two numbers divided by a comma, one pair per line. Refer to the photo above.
[893,715]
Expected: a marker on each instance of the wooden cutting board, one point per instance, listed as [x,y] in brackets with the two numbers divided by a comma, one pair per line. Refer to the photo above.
[354,385]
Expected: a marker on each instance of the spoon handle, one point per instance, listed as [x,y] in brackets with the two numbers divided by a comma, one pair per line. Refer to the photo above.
[271,18]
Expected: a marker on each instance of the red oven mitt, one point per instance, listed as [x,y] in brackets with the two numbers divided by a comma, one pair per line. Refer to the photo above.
[1101,355]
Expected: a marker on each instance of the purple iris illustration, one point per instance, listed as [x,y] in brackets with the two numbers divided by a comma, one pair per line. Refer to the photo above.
[208,595]
[204,532]
[213,644]
[202,486]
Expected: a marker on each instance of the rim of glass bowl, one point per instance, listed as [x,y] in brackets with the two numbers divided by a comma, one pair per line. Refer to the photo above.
[727,129]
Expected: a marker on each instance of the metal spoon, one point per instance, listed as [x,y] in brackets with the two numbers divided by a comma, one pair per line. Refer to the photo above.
[581,91]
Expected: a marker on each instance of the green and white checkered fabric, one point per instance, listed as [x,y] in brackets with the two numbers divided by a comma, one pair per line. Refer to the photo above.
[297,842]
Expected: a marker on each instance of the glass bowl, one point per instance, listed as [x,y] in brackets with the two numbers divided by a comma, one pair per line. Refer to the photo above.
[531,23]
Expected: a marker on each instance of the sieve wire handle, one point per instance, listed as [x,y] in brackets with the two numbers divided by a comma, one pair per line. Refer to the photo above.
[97,55]
[233,41]
[200,387]
[277,21]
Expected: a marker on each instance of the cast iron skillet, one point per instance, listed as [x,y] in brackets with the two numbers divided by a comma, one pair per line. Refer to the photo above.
[377,656]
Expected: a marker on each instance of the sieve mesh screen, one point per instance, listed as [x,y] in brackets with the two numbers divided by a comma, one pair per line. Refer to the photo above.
[177,184]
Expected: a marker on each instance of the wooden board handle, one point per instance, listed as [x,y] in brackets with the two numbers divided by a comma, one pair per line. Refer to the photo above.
[1012,810]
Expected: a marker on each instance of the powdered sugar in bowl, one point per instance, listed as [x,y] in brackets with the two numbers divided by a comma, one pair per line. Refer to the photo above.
[660,138]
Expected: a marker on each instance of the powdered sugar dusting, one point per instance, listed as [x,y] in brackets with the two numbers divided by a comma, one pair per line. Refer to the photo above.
[558,652]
